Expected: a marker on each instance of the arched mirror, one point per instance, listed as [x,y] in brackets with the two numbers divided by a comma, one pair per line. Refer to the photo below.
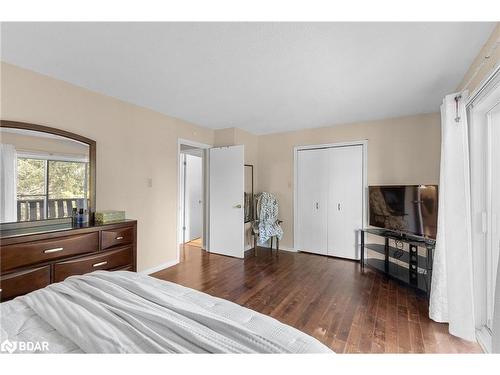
[45,173]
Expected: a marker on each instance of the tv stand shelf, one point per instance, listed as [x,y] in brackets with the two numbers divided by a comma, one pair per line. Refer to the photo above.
[399,257]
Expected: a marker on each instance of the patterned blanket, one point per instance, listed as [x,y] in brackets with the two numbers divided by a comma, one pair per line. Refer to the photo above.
[267,209]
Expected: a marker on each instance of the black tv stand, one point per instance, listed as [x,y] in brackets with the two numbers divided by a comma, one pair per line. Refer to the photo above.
[399,257]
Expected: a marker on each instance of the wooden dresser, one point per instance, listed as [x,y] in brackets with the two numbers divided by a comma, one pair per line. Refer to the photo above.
[33,258]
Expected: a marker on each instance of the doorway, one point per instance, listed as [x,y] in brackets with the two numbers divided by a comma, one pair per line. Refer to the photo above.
[222,192]
[191,223]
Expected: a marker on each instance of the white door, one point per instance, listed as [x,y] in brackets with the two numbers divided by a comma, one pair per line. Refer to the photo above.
[193,196]
[312,200]
[345,200]
[493,208]
[226,191]
[182,195]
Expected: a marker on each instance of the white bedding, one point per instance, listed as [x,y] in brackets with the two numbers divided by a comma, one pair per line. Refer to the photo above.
[125,312]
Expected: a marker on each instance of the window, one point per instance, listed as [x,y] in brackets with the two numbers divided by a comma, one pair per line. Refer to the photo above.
[50,189]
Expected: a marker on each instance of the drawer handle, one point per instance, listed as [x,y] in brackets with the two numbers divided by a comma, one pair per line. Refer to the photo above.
[54,250]
[100,264]
[119,238]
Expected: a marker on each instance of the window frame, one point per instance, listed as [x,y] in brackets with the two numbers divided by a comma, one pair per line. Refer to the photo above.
[479,104]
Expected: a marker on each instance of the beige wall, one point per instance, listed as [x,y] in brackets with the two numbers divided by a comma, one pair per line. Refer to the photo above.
[235,136]
[133,144]
[400,151]
[484,63]
[224,137]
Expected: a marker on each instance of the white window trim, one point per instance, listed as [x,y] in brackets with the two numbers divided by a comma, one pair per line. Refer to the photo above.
[477,108]
[40,155]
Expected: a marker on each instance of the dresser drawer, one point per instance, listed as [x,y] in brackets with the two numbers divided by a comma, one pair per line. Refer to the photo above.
[104,261]
[116,237]
[19,283]
[18,255]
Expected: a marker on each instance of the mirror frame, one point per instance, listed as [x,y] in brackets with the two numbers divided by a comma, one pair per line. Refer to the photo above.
[252,213]
[63,133]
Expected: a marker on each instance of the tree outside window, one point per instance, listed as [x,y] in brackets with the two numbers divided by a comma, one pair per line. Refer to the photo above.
[50,188]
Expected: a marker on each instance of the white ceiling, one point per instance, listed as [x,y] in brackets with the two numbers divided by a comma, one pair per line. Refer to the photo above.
[261,77]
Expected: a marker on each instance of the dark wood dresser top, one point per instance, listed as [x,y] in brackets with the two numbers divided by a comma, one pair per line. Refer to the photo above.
[53,228]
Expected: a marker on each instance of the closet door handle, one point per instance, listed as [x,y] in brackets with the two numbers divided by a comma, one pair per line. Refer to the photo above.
[338,206]
[317,205]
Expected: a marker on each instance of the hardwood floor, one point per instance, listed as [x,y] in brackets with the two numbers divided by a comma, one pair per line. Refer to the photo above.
[328,298]
[196,242]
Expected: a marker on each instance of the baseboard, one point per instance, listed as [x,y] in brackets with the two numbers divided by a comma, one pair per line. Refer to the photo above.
[250,250]
[163,266]
[291,249]
[285,248]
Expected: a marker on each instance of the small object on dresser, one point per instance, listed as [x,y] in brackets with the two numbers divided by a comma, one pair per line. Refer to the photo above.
[107,216]
[85,219]
[74,216]
[81,216]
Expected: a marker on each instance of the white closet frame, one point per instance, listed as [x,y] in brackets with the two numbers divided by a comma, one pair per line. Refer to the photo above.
[296,149]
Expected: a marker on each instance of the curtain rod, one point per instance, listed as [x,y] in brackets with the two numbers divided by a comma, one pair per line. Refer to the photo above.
[488,54]
[494,74]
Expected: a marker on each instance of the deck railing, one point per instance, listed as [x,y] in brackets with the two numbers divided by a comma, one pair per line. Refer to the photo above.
[34,209]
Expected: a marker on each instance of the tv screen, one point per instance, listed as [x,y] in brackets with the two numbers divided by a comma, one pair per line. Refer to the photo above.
[408,209]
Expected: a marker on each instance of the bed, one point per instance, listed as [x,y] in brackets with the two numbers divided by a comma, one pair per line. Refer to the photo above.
[126,312]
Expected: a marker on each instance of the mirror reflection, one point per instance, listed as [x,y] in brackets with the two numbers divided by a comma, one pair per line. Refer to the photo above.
[43,176]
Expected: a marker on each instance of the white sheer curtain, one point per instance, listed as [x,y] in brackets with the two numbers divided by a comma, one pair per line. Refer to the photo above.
[451,297]
[8,198]
[495,340]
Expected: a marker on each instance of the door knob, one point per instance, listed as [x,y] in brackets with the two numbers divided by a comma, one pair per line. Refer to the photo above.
[237,206]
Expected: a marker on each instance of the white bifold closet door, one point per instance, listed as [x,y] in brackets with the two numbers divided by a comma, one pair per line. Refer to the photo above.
[345,200]
[312,201]
[330,200]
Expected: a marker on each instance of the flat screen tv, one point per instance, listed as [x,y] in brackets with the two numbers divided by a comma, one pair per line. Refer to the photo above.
[407,209]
